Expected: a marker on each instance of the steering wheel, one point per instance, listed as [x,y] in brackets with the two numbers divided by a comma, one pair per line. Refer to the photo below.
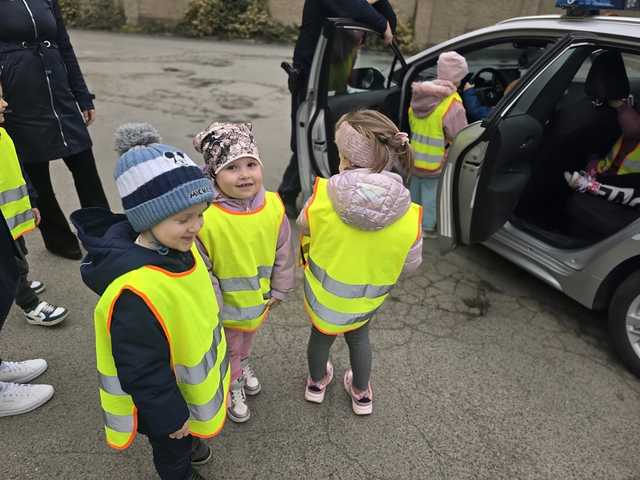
[489,90]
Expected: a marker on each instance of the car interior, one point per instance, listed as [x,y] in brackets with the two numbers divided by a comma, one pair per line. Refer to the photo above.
[572,112]
[581,127]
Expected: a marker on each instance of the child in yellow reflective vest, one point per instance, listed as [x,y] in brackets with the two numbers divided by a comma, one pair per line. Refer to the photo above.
[247,237]
[161,354]
[360,232]
[436,115]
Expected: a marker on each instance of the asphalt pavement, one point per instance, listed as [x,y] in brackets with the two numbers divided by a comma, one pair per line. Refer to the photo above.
[480,371]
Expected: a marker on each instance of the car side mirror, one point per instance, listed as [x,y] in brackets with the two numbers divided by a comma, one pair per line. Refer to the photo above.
[366,79]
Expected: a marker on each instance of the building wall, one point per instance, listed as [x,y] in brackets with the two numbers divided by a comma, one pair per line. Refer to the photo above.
[169,12]
[434,20]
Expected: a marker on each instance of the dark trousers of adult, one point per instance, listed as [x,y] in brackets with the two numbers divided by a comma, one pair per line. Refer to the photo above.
[26,298]
[172,458]
[359,354]
[54,226]
[289,188]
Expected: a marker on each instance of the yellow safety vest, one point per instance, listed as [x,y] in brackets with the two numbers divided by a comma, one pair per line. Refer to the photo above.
[631,163]
[242,247]
[14,195]
[349,272]
[185,306]
[427,136]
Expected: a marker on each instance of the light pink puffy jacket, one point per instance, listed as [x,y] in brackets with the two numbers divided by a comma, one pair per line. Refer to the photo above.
[370,201]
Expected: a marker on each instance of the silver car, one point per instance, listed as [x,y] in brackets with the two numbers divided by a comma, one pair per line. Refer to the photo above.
[504,183]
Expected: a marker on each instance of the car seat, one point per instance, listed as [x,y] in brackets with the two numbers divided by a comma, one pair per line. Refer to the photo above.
[582,125]
[588,214]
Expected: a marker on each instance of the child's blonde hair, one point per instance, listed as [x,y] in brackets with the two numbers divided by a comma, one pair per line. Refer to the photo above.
[391,147]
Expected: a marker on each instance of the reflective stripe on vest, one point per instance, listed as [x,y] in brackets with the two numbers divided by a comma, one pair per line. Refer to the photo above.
[242,247]
[240,284]
[14,195]
[631,163]
[349,272]
[427,136]
[198,348]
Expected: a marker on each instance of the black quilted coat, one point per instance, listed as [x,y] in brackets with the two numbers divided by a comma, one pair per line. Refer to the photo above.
[42,82]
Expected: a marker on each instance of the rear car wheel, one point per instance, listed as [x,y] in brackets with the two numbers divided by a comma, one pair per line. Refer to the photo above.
[624,322]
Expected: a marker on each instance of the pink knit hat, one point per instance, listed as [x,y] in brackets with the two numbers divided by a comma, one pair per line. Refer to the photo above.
[452,66]
[222,143]
[360,150]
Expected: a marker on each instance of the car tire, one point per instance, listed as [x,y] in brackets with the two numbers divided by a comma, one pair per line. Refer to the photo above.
[624,322]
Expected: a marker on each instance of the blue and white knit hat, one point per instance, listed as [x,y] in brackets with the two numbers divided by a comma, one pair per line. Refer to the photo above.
[155,181]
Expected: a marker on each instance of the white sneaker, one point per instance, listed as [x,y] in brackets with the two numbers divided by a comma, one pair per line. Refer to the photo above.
[238,409]
[16,398]
[251,383]
[46,315]
[22,372]
[37,286]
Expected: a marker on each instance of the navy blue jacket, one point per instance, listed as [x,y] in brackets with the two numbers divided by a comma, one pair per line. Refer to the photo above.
[42,84]
[475,110]
[315,12]
[140,348]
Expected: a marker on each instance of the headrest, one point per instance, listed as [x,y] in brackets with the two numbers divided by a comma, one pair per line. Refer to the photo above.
[607,78]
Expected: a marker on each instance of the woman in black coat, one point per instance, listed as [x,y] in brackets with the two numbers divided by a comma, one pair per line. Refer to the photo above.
[51,108]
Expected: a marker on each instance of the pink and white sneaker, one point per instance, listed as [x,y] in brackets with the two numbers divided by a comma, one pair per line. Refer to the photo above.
[314,392]
[362,404]
[582,182]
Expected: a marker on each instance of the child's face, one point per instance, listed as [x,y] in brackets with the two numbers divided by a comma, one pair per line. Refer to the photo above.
[241,179]
[179,231]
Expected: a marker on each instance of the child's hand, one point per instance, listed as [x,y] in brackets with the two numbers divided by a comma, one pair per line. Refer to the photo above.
[183,432]
[468,86]
[273,302]
[36,216]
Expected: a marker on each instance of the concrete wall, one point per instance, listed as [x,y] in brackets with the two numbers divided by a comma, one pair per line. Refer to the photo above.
[290,11]
[433,20]
[169,12]
[439,20]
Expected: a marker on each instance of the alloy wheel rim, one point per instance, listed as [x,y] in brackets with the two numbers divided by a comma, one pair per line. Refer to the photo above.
[633,325]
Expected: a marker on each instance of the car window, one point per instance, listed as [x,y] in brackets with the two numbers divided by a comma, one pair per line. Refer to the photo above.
[511,58]
[357,63]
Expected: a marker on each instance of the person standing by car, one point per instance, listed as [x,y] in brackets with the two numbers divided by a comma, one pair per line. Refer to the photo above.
[378,14]
[436,115]
[51,108]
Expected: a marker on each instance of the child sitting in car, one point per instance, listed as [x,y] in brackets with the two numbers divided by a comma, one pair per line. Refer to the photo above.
[617,176]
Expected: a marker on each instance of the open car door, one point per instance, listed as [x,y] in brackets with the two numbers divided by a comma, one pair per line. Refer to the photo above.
[489,163]
[351,70]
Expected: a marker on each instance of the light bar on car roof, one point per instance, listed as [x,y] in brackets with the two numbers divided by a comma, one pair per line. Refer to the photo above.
[598,4]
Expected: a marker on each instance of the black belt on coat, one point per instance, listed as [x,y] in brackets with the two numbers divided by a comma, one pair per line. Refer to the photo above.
[6,47]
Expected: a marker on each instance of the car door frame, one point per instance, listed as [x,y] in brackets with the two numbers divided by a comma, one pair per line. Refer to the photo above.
[311,117]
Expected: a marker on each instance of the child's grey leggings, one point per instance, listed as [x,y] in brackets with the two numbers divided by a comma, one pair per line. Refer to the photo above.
[359,354]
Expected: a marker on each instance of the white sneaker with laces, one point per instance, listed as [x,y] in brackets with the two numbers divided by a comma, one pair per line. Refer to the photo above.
[16,398]
[251,383]
[46,314]
[37,286]
[22,372]
[238,410]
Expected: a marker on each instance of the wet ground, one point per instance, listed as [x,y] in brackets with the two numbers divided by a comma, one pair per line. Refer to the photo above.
[480,371]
